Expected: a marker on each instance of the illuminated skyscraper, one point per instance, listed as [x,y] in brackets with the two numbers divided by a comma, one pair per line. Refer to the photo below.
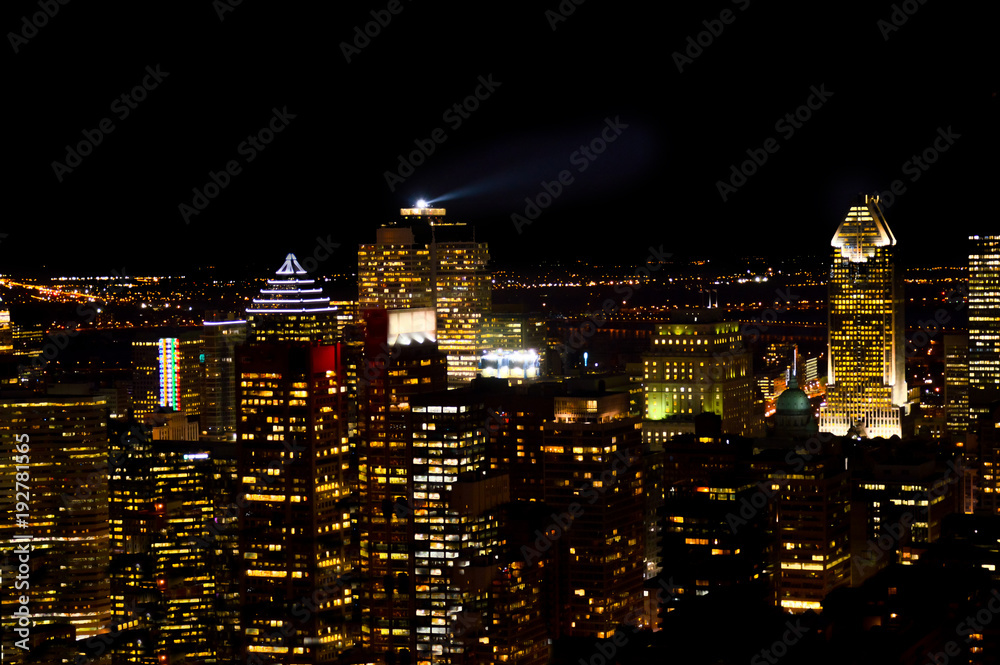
[866,383]
[956,385]
[167,371]
[984,323]
[220,336]
[811,522]
[401,361]
[292,308]
[66,449]
[394,273]
[165,579]
[445,270]
[293,461]
[592,467]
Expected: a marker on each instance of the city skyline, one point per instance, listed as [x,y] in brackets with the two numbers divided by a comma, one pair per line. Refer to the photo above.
[405,334]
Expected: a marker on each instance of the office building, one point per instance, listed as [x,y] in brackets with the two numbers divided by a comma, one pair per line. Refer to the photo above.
[293,463]
[221,334]
[424,261]
[166,582]
[65,447]
[698,364]
[956,386]
[292,308]
[592,470]
[401,360]
[984,323]
[167,371]
[866,383]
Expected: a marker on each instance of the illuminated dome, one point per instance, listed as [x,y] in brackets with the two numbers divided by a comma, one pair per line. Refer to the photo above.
[793,401]
[793,416]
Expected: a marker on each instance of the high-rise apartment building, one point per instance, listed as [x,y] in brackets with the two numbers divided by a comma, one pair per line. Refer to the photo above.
[984,323]
[866,382]
[456,526]
[810,512]
[424,261]
[6,332]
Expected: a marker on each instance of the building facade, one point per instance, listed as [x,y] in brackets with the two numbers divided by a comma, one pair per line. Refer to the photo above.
[866,382]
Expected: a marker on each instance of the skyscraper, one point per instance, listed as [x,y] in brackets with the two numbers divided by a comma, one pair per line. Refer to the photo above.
[293,460]
[291,308]
[401,360]
[167,371]
[444,268]
[592,466]
[984,323]
[64,443]
[866,383]
[956,385]
[220,336]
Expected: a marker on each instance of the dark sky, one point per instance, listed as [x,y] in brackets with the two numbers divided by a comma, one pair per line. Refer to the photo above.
[553,91]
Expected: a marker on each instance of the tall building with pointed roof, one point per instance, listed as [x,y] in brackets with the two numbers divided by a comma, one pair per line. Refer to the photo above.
[293,308]
[866,382]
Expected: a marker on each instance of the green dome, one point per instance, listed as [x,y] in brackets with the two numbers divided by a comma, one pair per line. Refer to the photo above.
[792,401]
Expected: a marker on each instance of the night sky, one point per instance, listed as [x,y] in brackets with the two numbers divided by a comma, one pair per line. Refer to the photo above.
[888,93]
